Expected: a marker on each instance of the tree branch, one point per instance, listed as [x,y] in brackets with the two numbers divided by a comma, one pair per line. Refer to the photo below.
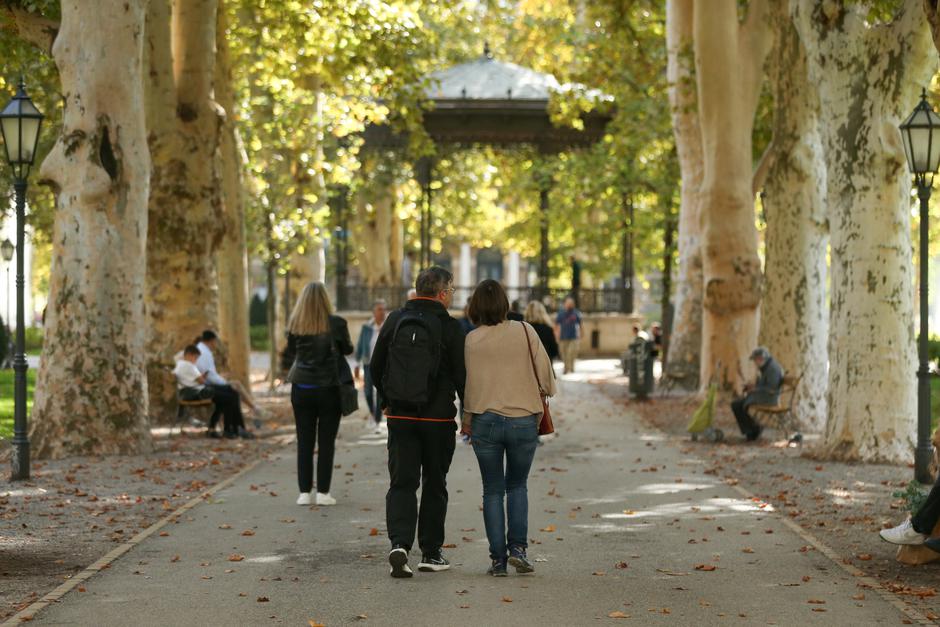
[763,167]
[36,29]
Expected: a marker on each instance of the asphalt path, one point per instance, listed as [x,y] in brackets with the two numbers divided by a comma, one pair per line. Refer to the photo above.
[623,526]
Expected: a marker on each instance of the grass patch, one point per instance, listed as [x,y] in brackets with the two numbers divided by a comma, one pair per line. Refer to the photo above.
[6,399]
[259,337]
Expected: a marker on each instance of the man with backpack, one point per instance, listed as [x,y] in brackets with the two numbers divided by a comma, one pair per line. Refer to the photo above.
[418,367]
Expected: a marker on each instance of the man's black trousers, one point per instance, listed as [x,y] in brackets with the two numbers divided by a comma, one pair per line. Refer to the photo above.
[748,425]
[228,405]
[929,513]
[418,453]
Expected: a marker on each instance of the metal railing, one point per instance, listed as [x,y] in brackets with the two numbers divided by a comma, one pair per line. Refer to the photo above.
[595,300]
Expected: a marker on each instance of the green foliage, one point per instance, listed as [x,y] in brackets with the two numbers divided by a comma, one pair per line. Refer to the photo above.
[260,341]
[914,496]
[34,337]
[6,399]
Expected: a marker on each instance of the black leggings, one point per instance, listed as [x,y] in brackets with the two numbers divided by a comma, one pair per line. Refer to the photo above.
[313,408]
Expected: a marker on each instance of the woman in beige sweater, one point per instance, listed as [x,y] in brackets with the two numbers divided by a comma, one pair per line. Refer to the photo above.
[502,409]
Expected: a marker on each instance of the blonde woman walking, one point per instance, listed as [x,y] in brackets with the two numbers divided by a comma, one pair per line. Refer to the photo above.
[508,371]
[537,316]
[316,344]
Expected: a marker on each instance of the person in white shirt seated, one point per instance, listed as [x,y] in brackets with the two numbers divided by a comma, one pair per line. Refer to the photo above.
[207,344]
[230,391]
[191,386]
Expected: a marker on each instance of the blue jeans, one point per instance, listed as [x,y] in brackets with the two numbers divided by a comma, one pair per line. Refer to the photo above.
[497,438]
[373,400]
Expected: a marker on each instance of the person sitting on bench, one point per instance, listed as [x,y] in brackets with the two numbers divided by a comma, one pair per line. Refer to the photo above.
[192,386]
[916,530]
[207,343]
[766,391]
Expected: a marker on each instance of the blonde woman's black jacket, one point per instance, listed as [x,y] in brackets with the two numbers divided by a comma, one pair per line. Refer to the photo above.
[318,359]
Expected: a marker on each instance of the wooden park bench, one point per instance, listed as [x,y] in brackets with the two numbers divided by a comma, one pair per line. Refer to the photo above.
[183,408]
[781,416]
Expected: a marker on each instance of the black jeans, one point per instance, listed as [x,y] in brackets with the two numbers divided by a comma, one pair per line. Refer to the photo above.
[746,423]
[316,415]
[929,513]
[228,405]
[418,452]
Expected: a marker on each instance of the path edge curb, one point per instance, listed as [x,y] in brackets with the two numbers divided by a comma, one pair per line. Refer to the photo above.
[29,612]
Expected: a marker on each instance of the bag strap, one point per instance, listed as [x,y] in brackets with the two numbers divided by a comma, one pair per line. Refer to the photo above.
[535,370]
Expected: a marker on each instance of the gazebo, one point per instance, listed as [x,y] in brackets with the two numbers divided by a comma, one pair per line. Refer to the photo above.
[486,101]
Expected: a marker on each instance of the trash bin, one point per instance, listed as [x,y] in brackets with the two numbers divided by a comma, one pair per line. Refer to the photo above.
[637,364]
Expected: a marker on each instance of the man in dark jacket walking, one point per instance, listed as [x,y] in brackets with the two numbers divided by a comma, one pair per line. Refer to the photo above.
[765,392]
[420,434]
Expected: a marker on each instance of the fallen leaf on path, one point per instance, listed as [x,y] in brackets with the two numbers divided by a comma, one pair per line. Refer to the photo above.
[548,529]
[671,573]
[864,557]
[618,614]
[507,599]
[599,573]
[235,557]
[313,623]
[164,534]
[621,565]
[464,607]
[373,531]
[706,567]
[175,558]
[448,546]
[225,526]
[747,549]
[263,599]
[859,597]
[816,602]
[248,532]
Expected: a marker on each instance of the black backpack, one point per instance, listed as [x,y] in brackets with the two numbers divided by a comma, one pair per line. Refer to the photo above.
[414,355]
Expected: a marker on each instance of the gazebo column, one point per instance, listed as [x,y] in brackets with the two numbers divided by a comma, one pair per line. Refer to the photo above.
[626,262]
[465,279]
[338,201]
[424,170]
[512,275]
[544,252]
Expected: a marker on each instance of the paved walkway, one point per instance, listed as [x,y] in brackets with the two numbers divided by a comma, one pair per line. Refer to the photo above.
[624,527]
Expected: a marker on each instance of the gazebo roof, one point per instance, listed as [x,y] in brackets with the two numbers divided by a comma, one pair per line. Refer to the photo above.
[499,103]
[485,78]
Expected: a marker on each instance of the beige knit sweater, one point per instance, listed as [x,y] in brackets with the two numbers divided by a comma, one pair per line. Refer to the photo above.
[499,371]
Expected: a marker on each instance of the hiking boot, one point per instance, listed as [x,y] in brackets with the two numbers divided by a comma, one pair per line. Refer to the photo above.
[398,559]
[498,568]
[902,534]
[518,560]
[433,562]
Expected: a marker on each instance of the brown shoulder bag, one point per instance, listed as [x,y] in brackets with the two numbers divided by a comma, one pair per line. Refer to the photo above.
[545,424]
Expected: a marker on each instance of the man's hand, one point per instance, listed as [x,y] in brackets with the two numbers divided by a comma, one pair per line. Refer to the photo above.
[356,373]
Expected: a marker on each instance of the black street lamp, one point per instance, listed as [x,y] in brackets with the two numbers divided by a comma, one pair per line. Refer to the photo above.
[921,139]
[20,121]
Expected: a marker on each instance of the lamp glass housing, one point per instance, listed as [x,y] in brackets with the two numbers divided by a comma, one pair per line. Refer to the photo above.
[20,122]
[920,135]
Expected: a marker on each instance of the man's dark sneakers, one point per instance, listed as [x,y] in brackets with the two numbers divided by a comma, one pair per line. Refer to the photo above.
[433,562]
[398,558]
[755,434]
[518,560]
[498,568]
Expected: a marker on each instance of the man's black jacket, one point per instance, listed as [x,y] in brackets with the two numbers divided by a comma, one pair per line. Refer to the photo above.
[452,374]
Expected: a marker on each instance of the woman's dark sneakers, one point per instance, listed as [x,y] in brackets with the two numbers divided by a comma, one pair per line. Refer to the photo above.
[433,562]
[498,568]
[398,559]
[519,561]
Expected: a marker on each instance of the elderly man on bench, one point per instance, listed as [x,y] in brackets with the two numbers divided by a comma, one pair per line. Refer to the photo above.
[766,391]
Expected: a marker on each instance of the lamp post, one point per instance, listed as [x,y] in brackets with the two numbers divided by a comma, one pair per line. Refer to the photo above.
[6,251]
[921,138]
[19,123]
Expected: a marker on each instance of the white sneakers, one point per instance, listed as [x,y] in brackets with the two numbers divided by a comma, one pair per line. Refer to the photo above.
[902,534]
[325,499]
[322,499]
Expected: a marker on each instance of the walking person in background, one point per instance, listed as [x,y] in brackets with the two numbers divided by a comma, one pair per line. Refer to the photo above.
[508,372]
[418,367]
[537,316]
[364,349]
[317,342]
[568,330]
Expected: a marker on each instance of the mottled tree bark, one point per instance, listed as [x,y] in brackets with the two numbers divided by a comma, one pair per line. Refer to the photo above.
[91,394]
[729,58]
[374,208]
[685,341]
[232,254]
[186,217]
[868,77]
[794,313]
